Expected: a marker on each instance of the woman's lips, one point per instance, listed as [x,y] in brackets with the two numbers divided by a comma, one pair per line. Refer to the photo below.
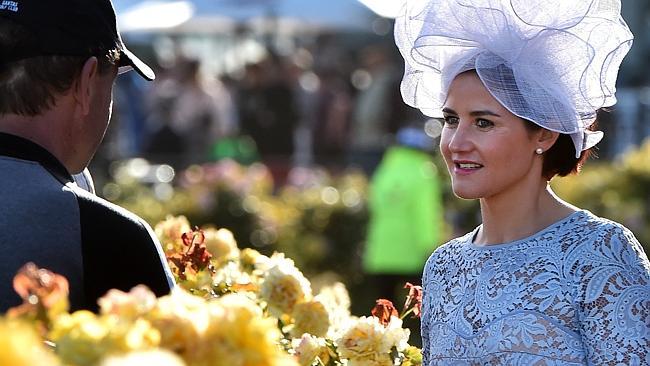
[462,167]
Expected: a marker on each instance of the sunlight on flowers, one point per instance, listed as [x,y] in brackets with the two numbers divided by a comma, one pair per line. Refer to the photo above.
[20,345]
[310,317]
[156,357]
[368,343]
[239,334]
[180,318]
[137,302]
[170,232]
[284,286]
[221,244]
[309,347]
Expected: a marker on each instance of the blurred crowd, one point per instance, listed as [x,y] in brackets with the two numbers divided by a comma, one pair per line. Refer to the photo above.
[323,104]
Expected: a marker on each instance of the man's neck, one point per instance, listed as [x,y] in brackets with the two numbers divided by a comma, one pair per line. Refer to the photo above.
[47,130]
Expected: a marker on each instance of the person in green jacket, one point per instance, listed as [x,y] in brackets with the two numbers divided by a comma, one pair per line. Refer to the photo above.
[406,220]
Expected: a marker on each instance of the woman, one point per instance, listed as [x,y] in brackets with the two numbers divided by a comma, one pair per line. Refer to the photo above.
[540,281]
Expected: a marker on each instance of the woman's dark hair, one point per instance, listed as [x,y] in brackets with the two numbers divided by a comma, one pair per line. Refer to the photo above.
[561,159]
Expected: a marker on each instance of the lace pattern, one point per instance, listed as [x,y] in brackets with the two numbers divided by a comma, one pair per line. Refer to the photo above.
[576,293]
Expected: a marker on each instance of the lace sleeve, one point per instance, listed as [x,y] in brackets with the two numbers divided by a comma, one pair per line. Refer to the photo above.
[426,311]
[614,299]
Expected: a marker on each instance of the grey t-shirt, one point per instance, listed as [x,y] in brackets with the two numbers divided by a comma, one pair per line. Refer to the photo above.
[47,219]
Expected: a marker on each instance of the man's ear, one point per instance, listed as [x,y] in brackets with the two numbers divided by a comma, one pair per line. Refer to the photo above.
[85,85]
[546,138]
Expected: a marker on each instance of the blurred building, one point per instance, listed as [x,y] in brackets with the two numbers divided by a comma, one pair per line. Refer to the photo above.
[629,124]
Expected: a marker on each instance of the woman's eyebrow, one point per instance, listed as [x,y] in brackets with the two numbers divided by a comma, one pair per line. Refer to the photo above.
[448,110]
[484,113]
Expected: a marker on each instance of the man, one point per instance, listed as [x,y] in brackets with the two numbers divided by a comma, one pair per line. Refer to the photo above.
[58,62]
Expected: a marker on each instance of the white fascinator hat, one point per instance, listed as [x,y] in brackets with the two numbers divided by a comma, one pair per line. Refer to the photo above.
[552,62]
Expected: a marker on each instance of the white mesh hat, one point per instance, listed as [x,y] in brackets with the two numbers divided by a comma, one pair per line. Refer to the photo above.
[552,62]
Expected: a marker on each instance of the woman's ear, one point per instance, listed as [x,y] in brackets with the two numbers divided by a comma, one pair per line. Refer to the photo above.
[546,138]
[85,85]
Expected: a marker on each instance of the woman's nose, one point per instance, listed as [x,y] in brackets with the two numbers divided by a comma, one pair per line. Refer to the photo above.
[460,139]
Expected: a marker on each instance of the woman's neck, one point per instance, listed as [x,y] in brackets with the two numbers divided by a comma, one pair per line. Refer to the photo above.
[520,214]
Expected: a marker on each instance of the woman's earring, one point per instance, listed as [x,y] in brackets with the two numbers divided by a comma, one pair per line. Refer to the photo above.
[539,151]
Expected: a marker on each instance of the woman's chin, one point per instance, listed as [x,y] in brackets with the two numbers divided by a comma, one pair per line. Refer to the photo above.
[466,194]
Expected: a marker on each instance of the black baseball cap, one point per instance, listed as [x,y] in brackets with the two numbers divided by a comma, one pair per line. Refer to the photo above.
[68,28]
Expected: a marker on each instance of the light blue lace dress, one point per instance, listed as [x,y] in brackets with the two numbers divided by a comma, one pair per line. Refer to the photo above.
[575,293]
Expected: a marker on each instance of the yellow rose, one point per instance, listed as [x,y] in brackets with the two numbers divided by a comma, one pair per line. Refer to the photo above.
[310,317]
[170,231]
[368,343]
[283,286]
[238,334]
[139,301]
[21,346]
[155,357]
[83,338]
[181,318]
[230,278]
[309,347]
[221,244]
[79,336]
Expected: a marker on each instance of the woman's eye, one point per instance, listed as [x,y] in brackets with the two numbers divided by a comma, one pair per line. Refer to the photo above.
[450,121]
[483,123]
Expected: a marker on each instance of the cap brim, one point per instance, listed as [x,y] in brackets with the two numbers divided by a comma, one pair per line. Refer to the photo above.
[132,60]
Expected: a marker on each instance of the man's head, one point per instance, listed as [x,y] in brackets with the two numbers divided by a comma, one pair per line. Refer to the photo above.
[52,50]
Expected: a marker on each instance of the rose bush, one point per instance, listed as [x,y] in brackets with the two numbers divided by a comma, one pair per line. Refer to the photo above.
[233,307]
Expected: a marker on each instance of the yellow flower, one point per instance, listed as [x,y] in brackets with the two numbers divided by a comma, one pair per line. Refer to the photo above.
[82,338]
[368,343]
[283,290]
[180,318]
[310,317]
[21,346]
[78,337]
[412,356]
[155,357]
[239,335]
[170,230]
[230,278]
[125,336]
[248,257]
[139,301]
[284,286]
[309,347]
[221,244]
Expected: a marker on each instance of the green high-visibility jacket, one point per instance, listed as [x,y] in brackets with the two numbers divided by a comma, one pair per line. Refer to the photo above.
[405,213]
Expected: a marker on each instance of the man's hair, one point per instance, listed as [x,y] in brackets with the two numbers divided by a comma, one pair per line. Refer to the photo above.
[30,86]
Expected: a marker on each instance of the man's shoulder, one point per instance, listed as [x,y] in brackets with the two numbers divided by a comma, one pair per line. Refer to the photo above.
[93,207]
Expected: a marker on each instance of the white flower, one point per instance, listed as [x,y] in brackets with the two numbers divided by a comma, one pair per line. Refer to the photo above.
[308,348]
[337,302]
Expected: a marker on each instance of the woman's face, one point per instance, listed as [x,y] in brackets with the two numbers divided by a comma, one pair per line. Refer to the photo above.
[488,150]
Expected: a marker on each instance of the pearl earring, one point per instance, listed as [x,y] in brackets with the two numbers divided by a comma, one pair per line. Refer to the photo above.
[539,151]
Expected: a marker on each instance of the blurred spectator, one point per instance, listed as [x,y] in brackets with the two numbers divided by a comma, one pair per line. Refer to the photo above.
[190,114]
[406,218]
[375,112]
[332,122]
[267,113]
[131,114]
